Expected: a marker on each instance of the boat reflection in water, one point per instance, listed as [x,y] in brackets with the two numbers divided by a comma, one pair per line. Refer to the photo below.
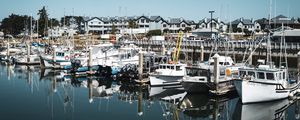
[207,107]
[275,110]
[56,96]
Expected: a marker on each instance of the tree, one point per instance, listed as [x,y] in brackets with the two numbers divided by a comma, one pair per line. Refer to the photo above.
[239,30]
[54,22]
[166,30]
[247,32]
[16,24]
[153,33]
[187,29]
[43,21]
[67,21]
[132,24]
[113,29]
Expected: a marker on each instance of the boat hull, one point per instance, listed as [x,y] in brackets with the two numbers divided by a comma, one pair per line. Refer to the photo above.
[251,91]
[195,87]
[160,80]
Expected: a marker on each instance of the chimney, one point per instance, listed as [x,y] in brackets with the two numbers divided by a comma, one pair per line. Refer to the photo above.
[205,20]
[242,19]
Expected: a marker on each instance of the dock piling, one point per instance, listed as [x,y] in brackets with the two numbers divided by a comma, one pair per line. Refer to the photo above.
[54,55]
[28,53]
[141,61]
[298,55]
[202,54]
[216,72]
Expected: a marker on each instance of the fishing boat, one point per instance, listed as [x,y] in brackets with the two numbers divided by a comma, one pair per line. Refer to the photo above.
[59,59]
[266,82]
[167,75]
[202,79]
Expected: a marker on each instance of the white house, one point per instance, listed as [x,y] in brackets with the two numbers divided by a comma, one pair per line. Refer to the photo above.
[61,31]
[243,24]
[212,23]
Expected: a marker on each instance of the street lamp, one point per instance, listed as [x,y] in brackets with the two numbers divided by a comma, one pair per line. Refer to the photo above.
[211,13]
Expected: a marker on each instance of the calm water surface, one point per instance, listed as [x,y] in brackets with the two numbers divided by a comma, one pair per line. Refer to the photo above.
[28,93]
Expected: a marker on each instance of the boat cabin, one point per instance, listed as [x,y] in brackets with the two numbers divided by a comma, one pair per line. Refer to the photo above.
[223,60]
[196,72]
[272,75]
[175,67]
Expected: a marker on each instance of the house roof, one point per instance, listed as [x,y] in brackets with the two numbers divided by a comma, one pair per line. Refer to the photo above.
[175,21]
[242,20]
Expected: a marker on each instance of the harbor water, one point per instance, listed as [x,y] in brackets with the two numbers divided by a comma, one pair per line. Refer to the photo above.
[30,93]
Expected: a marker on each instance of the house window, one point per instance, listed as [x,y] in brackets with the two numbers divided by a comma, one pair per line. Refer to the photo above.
[164,25]
[142,20]
[91,22]
[99,22]
[147,21]
[178,26]
[146,25]
[183,25]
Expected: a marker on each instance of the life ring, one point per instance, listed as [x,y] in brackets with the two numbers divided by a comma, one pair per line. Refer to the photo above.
[67,57]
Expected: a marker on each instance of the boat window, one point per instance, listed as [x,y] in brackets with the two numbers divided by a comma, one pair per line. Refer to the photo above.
[212,63]
[178,68]
[164,67]
[242,73]
[226,63]
[283,74]
[280,77]
[270,76]
[221,63]
[261,75]
[172,67]
[251,73]
[168,67]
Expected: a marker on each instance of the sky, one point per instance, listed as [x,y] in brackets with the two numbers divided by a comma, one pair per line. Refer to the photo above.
[227,10]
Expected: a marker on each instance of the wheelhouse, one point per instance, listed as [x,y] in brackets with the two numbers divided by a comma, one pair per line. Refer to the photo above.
[263,74]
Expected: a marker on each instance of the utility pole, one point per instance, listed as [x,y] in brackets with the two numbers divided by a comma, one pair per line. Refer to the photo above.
[211,15]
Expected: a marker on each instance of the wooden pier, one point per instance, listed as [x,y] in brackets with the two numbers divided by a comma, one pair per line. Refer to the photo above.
[222,47]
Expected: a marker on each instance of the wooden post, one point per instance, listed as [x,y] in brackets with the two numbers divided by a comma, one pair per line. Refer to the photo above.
[90,59]
[250,56]
[298,62]
[28,53]
[216,71]
[54,56]
[54,84]
[140,102]
[90,90]
[202,54]
[141,61]
[163,50]
[7,50]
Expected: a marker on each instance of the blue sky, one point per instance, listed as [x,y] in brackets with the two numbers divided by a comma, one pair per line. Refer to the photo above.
[188,9]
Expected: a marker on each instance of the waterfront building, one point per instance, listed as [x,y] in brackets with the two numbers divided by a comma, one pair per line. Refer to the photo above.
[243,24]
[57,32]
[216,24]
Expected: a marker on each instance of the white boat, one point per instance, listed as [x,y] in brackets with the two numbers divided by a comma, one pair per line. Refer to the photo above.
[264,83]
[167,74]
[275,110]
[62,58]
[25,60]
[201,79]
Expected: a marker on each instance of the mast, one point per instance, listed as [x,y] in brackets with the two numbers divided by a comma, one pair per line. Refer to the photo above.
[269,56]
